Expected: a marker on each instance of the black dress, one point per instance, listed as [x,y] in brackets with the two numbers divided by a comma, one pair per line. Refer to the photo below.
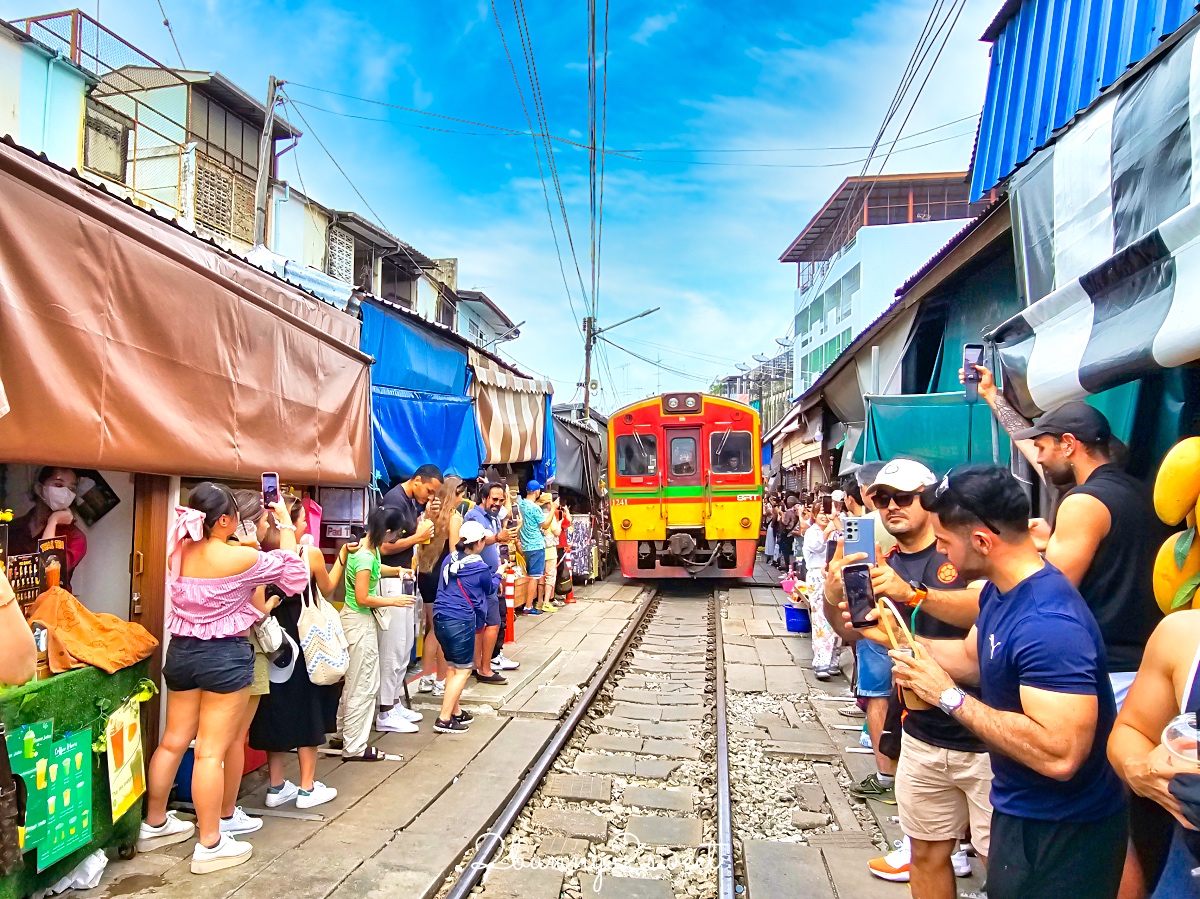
[297,712]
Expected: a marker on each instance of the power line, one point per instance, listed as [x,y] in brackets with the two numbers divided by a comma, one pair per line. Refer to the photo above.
[675,371]
[170,31]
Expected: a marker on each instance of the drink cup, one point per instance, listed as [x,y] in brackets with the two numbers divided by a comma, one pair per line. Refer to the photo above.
[41,773]
[79,761]
[54,772]
[912,701]
[118,747]
[29,742]
[51,803]
[67,796]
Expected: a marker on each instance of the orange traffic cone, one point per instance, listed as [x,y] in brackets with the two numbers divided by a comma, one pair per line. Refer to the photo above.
[570,597]
[510,595]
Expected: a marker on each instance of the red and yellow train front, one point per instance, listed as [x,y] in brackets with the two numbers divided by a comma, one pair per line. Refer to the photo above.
[685,486]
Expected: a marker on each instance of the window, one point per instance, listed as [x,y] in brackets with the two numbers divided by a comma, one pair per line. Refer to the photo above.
[477,335]
[446,309]
[637,454]
[683,456]
[105,141]
[729,452]
[396,284]
[341,255]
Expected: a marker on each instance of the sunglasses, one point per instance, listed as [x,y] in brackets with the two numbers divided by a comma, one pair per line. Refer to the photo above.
[884,498]
[945,487]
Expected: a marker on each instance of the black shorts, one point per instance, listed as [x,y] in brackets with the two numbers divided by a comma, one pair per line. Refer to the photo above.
[1031,859]
[225,665]
[456,637]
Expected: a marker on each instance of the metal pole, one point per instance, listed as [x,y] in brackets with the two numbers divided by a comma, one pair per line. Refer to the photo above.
[266,150]
[589,338]
[725,885]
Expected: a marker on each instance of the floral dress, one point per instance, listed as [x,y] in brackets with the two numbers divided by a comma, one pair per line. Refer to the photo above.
[825,642]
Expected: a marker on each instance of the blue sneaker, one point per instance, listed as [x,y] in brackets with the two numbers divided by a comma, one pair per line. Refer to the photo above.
[532,611]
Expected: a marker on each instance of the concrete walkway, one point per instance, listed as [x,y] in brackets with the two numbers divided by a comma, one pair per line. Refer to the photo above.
[397,828]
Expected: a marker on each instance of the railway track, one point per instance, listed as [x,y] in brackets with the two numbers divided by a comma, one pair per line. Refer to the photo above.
[630,798]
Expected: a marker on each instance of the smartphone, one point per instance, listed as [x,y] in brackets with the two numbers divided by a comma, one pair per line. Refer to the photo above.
[270,487]
[503,553]
[408,586]
[860,597]
[827,505]
[972,356]
[860,537]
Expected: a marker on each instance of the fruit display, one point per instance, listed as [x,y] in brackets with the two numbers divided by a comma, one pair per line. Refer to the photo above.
[1176,493]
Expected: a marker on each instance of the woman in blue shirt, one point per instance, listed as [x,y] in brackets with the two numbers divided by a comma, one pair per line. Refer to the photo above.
[464,583]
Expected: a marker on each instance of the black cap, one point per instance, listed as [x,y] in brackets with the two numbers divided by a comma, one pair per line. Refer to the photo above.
[1077,418]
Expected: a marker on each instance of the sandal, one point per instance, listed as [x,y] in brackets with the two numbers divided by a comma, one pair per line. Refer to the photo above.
[370,754]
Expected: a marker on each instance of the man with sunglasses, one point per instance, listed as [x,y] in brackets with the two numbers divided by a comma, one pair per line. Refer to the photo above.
[943,777]
[1045,706]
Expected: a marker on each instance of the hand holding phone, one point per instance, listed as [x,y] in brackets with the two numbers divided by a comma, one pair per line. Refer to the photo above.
[270,487]
[972,356]
[860,537]
[860,597]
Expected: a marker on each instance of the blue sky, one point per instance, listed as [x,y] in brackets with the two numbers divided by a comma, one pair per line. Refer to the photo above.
[699,240]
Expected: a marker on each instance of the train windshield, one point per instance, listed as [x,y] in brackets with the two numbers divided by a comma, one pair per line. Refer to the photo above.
[730,452]
[637,454]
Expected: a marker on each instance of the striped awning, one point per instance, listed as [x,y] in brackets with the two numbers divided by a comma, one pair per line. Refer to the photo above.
[511,410]
[796,451]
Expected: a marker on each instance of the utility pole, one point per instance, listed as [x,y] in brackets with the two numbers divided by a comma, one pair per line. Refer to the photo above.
[590,335]
[266,151]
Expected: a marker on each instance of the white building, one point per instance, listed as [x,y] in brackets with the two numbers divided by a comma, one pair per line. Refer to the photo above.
[858,249]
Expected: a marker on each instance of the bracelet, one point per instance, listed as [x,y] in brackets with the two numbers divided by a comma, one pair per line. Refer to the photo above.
[285,527]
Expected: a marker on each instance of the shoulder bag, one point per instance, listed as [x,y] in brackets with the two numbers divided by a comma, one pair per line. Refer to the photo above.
[326,651]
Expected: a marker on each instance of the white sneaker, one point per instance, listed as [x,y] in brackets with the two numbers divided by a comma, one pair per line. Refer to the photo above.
[171,831]
[408,713]
[425,684]
[228,853]
[895,865]
[439,688]
[391,722]
[318,795]
[505,664]
[962,864]
[240,822]
[284,795]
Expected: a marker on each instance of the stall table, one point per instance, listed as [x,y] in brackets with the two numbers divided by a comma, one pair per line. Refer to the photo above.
[72,700]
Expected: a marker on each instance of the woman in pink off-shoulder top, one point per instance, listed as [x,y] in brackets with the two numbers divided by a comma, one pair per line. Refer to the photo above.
[209,664]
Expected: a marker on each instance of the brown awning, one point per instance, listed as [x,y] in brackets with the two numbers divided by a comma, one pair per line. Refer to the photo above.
[128,344]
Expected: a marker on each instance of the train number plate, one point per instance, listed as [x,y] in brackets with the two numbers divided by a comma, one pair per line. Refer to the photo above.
[619,502]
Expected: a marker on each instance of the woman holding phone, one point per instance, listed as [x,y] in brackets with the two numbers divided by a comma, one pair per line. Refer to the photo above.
[209,664]
[824,640]
[360,694]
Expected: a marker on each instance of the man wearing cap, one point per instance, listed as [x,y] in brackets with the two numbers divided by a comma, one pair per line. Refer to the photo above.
[1105,534]
[943,778]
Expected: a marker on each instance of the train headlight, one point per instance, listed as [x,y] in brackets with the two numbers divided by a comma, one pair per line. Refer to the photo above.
[691,402]
[673,403]
[626,524]
[745,522]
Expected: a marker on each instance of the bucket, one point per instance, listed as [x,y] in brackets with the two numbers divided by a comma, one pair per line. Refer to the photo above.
[797,619]
[788,585]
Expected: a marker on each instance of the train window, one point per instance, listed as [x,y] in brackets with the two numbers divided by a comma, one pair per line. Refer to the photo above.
[683,456]
[637,454]
[730,452]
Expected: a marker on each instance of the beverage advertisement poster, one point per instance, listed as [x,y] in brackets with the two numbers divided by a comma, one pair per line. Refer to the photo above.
[58,789]
[126,764]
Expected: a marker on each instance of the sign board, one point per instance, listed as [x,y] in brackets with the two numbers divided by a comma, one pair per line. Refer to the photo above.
[58,789]
[126,764]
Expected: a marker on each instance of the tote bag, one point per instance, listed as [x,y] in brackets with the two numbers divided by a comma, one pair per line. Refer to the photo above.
[326,652]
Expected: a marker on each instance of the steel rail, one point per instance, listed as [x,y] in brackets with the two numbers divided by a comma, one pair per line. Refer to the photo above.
[494,837]
[725,884]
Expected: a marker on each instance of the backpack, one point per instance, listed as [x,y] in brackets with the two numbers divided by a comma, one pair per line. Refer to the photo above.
[326,651]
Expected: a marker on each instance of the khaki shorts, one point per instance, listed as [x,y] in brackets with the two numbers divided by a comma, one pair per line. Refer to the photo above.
[940,791]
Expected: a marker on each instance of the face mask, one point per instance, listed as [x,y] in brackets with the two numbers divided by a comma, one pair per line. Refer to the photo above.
[58,498]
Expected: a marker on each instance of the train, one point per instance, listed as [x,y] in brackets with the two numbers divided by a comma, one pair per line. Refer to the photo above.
[685,486]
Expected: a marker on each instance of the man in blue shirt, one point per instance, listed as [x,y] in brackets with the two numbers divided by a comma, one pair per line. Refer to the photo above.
[1046,705]
[532,541]
[487,514]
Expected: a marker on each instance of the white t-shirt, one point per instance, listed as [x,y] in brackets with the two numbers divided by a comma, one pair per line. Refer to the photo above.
[814,548]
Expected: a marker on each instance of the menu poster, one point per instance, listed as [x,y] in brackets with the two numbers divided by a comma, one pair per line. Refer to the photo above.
[53,552]
[58,789]
[126,764]
[25,576]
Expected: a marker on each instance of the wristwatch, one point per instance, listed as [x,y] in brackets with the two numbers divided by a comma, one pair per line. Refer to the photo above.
[920,591]
[951,700]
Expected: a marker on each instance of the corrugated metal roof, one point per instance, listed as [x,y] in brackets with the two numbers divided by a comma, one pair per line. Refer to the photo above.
[1050,60]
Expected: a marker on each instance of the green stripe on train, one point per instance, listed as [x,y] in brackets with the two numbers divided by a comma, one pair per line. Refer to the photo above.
[698,492]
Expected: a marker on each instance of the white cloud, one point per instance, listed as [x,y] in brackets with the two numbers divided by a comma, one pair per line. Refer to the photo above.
[652,25]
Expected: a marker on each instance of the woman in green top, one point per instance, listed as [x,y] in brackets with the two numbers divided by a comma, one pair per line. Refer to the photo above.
[361,690]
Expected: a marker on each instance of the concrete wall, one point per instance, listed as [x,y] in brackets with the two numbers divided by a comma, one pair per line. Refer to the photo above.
[41,101]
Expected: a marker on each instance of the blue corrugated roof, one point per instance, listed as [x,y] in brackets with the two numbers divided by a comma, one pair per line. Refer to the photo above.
[1050,60]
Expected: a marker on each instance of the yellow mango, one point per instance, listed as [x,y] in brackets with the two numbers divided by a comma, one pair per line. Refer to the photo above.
[1177,486]
[1167,578]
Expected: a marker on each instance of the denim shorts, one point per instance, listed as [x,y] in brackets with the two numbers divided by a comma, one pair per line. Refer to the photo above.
[493,616]
[874,670]
[224,665]
[456,636]
[535,562]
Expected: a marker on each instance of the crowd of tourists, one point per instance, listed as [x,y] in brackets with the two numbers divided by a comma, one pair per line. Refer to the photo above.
[257,655]
[1023,720]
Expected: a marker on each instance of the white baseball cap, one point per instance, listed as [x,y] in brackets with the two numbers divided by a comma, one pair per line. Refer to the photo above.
[838,496]
[904,475]
[471,532]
